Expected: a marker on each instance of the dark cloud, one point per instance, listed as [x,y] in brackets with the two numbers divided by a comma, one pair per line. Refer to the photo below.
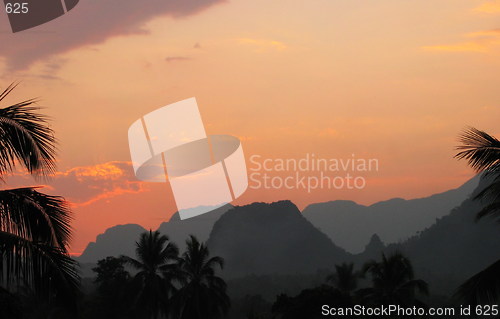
[90,22]
[177,58]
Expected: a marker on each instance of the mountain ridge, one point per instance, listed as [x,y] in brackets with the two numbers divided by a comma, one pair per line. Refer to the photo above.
[338,218]
[120,239]
[269,238]
[178,230]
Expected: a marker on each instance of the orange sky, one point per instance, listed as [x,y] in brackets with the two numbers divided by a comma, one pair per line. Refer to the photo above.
[391,80]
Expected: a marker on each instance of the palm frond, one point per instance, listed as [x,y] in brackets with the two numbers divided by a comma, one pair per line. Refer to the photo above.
[9,89]
[490,210]
[133,262]
[345,277]
[34,227]
[169,253]
[37,264]
[370,266]
[492,191]
[36,216]
[25,137]
[481,150]
[215,261]
[34,234]
[490,196]
[482,288]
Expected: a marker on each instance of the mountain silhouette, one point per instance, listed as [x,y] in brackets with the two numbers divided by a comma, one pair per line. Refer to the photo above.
[263,238]
[266,239]
[452,250]
[347,224]
[374,248]
[179,230]
[350,225]
[120,239]
[116,241]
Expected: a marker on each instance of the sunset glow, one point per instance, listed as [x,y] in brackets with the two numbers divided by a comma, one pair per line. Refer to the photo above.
[384,80]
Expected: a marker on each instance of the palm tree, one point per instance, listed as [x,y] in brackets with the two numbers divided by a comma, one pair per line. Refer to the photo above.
[112,293]
[393,282]
[482,151]
[345,279]
[156,263]
[202,294]
[34,227]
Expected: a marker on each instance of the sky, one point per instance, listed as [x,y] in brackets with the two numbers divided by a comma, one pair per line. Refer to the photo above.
[390,80]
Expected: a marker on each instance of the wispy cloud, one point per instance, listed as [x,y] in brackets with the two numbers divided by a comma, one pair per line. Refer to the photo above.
[479,42]
[492,7]
[177,58]
[458,47]
[484,34]
[262,44]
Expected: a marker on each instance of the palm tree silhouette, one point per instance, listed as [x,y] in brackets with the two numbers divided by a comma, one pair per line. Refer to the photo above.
[393,282]
[345,279]
[156,262]
[203,294]
[482,151]
[34,227]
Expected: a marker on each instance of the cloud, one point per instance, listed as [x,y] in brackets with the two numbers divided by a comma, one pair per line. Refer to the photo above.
[484,34]
[263,44]
[481,42]
[90,22]
[458,47]
[85,185]
[177,58]
[49,70]
[489,7]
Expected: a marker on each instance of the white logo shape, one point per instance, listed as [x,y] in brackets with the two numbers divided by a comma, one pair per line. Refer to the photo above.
[205,172]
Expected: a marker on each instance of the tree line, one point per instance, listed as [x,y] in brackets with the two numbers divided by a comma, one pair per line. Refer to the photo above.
[165,285]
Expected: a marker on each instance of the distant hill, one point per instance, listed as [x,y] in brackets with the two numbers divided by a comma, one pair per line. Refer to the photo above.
[350,225]
[455,248]
[374,248]
[178,230]
[116,241]
[120,239]
[263,238]
[450,251]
